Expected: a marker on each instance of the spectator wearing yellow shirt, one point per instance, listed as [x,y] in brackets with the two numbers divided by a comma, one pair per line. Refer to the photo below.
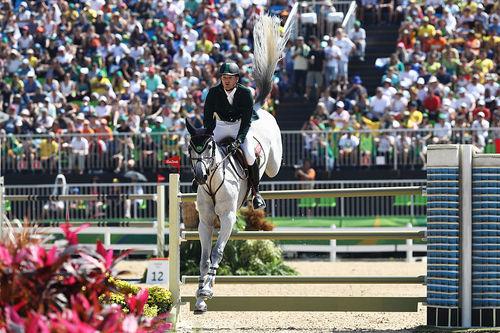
[48,152]
[483,63]
[100,84]
[415,117]
[204,45]
[426,28]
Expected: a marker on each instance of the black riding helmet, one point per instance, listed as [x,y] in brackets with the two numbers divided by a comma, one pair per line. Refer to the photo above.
[229,68]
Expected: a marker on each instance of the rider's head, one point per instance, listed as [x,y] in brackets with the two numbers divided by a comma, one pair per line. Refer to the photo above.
[229,73]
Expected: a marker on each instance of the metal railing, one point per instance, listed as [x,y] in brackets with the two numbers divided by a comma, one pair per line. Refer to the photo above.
[124,204]
[323,9]
[395,149]
[350,18]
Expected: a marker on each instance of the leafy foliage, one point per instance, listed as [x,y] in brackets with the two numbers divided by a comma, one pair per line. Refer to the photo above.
[248,257]
[159,300]
[57,290]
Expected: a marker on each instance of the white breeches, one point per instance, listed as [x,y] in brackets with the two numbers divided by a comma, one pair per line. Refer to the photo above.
[223,129]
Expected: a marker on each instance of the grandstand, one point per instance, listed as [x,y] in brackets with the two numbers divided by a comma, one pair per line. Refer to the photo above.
[99,88]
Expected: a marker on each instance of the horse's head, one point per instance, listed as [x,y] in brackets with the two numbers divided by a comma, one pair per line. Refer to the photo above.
[201,152]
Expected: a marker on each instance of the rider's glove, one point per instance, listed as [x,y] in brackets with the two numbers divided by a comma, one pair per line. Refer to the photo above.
[234,146]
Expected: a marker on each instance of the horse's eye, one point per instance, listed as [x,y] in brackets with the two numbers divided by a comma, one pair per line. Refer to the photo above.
[209,146]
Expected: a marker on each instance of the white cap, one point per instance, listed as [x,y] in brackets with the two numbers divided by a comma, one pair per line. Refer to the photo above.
[86,98]
[103,99]
[433,79]
[25,112]
[420,80]
[480,114]
[159,119]
[340,104]
[480,102]
[61,48]
[84,70]
[80,116]
[387,80]
[30,74]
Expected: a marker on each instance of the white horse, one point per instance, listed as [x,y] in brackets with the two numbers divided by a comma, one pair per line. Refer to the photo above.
[223,182]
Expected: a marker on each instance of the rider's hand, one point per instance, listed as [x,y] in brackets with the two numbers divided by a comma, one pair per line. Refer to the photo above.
[234,146]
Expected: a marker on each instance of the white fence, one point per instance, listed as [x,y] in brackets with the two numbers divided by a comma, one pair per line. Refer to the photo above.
[116,209]
[289,250]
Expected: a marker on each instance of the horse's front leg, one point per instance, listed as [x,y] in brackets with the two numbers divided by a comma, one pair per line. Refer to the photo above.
[227,221]
[205,229]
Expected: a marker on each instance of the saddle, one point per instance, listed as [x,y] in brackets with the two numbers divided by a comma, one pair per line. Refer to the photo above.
[239,155]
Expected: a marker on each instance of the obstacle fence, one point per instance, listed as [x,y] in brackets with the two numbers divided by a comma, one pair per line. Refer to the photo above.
[277,303]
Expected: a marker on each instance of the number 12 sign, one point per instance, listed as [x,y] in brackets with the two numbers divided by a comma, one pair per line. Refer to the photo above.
[157,271]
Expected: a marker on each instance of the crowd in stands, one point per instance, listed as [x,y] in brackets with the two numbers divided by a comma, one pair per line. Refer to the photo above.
[442,76]
[111,68]
[73,68]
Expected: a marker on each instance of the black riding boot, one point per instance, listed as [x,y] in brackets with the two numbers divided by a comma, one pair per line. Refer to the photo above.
[194,186]
[253,173]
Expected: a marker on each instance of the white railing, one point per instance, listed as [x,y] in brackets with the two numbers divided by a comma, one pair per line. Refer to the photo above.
[114,207]
[106,234]
[409,248]
[350,18]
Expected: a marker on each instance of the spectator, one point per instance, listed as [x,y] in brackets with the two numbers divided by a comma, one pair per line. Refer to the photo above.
[332,57]
[316,58]
[347,144]
[48,152]
[379,105]
[442,130]
[340,117]
[346,47]
[79,151]
[300,52]
[358,37]
[306,173]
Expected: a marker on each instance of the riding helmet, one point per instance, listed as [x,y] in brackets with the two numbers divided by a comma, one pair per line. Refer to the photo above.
[229,68]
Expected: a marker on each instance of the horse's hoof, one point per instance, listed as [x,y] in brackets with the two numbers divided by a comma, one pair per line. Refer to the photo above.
[199,311]
[200,307]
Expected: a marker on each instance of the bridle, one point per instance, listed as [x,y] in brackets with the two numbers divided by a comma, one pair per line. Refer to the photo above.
[208,163]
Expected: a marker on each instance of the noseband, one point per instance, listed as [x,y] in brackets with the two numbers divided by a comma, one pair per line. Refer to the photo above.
[200,148]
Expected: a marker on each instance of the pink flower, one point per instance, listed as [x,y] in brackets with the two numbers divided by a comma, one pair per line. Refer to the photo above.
[136,303]
[72,236]
[5,256]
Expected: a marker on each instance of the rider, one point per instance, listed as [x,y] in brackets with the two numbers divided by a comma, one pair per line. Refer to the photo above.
[229,112]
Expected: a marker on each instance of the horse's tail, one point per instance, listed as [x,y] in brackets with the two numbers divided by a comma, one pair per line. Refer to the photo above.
[269,45]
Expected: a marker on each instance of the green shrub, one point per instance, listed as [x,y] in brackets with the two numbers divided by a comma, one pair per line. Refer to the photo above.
[159,299]
[150,311]
[241,257]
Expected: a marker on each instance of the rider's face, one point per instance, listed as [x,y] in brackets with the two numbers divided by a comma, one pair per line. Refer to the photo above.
[229,81]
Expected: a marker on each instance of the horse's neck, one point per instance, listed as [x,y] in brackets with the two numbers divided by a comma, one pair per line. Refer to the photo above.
[217,168]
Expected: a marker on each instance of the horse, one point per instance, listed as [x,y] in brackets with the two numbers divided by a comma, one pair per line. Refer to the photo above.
[223,182]
[224,189]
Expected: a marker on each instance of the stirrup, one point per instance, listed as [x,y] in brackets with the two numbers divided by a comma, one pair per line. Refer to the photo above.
[258,202]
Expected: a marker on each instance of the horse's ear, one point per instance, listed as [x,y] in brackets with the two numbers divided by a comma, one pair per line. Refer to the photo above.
[190,128]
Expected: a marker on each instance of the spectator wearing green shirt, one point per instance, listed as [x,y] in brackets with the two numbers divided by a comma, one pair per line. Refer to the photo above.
[153,80]
[158,130]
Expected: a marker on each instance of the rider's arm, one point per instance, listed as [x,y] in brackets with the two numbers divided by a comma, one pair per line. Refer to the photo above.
[208,118]
[246,108]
